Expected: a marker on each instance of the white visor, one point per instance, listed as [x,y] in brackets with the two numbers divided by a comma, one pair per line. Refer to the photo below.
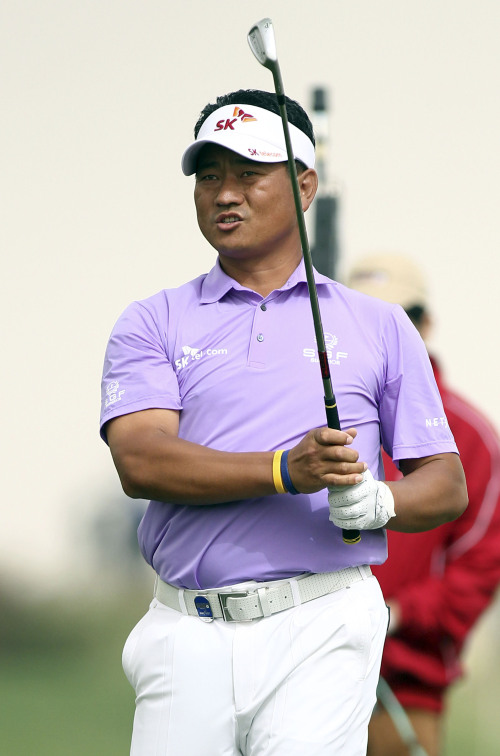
[253,132]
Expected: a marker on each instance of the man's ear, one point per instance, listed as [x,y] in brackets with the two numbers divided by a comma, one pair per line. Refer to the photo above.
[308,185]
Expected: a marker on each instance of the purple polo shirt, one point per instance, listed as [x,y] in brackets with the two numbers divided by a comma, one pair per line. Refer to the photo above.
[243,372]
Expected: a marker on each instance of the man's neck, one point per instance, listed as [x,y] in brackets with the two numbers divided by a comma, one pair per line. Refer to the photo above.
[261,276]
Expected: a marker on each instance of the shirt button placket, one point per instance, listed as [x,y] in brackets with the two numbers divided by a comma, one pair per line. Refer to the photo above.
[260,336]
[257,357]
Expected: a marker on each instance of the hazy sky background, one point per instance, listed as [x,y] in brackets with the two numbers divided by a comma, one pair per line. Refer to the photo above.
[99,98]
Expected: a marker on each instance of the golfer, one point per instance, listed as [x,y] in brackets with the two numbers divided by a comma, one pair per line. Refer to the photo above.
[266,630]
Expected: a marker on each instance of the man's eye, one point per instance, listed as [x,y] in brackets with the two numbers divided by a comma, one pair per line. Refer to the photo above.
[206,177]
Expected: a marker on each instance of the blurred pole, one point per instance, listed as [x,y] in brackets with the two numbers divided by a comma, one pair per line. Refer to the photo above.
[325,249]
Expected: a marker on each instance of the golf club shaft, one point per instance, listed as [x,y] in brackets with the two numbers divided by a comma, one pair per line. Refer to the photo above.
[330,402]
[332,415]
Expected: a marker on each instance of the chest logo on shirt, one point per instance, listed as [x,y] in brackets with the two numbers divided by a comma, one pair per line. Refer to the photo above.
[193,354]
[334,355]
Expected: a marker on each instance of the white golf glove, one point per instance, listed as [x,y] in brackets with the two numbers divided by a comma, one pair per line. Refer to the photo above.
[365,506]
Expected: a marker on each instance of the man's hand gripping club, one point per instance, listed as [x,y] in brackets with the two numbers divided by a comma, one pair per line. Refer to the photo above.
[324,459]
[365,506]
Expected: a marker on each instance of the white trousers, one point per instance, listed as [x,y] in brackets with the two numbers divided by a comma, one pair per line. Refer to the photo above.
[298,683]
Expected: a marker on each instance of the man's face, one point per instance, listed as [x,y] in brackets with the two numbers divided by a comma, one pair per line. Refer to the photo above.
[245,209]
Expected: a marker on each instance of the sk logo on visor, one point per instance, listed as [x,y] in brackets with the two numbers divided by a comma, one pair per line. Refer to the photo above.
[245,117]
[238,113]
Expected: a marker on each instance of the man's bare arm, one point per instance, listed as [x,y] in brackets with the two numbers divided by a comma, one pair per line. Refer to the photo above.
[154,463]
[433,491]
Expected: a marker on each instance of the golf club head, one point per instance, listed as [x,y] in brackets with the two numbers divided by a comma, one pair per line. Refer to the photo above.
[262,43]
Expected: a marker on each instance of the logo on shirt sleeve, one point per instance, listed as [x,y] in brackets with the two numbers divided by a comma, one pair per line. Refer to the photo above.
[113,394]
[436,422]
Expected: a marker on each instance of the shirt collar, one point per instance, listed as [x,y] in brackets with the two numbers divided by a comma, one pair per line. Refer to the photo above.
[217,283]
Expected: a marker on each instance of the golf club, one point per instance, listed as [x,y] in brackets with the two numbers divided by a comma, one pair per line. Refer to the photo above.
[263,45]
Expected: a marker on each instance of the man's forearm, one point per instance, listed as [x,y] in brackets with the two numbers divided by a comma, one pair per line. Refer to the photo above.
[432,492]
[174,470]
[154,463]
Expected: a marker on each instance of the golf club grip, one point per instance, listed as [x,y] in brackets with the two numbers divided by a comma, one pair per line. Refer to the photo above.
[332,419]
[332,414]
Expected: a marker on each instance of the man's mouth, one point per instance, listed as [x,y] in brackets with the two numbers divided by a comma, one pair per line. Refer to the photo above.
[227,220]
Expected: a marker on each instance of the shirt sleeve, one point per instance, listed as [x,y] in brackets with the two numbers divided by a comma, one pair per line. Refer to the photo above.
[137,372]
[413,421]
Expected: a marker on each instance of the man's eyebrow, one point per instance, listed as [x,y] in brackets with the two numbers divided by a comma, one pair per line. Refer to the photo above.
[246,161]
[203,164]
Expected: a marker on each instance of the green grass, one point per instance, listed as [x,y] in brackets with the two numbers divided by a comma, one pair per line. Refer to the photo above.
[473,723]
[63,691]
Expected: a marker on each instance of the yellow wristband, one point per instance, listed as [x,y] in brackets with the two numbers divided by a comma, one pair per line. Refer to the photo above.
[278,480]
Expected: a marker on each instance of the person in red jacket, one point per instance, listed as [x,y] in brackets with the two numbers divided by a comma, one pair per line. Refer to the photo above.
[437,583]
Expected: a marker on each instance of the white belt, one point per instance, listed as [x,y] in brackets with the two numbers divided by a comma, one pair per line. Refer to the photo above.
[233,604]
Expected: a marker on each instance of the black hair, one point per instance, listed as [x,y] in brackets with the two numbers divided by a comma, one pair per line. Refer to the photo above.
[416,314]
[267,100]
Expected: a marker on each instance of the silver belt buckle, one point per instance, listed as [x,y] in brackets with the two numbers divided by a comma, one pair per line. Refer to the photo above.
[223,597]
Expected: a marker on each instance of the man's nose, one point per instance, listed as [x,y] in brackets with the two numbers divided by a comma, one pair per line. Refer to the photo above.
[229,191]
